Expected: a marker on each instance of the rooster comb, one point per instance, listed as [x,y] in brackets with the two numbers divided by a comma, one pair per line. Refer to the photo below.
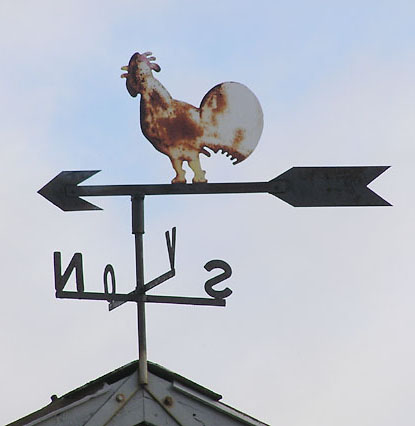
[149,58]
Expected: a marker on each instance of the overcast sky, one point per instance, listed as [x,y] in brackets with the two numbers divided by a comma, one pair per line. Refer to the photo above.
[319,328]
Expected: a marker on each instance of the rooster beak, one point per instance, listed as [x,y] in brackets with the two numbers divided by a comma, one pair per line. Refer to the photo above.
[124,68]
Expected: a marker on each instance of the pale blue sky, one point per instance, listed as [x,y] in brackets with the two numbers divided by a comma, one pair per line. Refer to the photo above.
[319,328]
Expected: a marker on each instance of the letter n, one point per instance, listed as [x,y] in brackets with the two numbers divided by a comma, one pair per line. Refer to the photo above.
[75,263]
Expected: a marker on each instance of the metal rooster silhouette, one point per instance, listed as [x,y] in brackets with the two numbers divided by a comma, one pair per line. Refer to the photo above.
[229,119]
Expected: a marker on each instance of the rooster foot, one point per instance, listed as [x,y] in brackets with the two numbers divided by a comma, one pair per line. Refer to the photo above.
[180,173]
[199,179]
[199,174]
[179,179]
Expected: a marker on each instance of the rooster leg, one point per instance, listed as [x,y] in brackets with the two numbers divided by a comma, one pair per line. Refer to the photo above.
[199,176]
[180,173]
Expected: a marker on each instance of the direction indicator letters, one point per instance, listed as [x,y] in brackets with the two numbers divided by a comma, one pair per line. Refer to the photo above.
[116,299]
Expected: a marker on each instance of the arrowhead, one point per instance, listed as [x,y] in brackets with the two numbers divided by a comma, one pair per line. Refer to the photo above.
[56,191]
[328,186]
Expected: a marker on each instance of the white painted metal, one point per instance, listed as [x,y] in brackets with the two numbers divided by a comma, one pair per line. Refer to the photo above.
[163,402]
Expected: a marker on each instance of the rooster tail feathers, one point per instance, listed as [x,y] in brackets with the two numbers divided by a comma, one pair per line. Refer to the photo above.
[234,155]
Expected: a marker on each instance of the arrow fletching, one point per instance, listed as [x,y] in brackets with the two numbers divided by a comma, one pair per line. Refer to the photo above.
[328,186]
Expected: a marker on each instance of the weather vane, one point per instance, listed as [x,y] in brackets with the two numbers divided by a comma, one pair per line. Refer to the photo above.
[229,119]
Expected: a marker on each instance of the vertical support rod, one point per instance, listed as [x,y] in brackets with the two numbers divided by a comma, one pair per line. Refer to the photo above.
[138,231]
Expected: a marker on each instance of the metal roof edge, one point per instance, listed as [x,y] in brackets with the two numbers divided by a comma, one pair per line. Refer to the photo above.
[219,406]
[96,385]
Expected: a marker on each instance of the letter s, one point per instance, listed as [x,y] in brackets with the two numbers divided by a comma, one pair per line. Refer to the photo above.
[227,272]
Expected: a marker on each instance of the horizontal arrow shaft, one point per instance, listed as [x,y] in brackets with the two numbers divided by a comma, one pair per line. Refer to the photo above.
[176,189]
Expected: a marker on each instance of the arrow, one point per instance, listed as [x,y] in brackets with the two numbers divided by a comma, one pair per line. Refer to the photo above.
[330,186]
[298,186]
[56,191]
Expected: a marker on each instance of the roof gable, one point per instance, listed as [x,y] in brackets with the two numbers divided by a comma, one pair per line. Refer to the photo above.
[117,399]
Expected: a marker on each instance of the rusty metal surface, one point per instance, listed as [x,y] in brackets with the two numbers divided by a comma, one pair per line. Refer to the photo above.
[229,119]
[298,186]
